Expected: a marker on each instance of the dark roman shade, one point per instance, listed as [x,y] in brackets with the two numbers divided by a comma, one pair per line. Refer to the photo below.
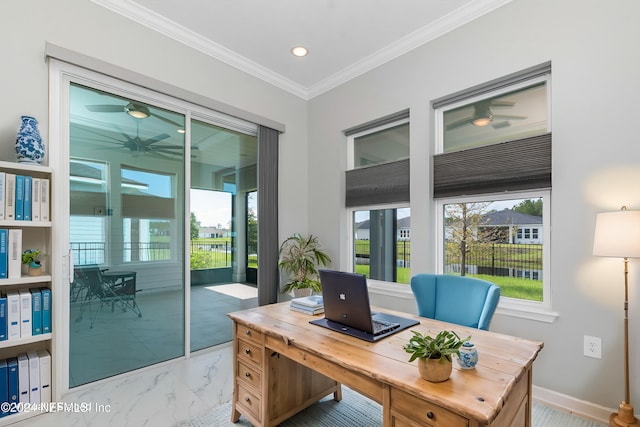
[385,183]
[382,183]
[268,245]
[521,164]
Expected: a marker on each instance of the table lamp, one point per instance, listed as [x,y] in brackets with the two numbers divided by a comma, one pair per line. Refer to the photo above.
[618,235]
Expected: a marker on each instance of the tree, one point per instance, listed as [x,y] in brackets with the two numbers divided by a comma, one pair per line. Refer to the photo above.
[195,226]
[462,220]
[252,231]
[529,207]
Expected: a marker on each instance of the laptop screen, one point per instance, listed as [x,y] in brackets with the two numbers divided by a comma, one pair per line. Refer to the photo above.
[346,299]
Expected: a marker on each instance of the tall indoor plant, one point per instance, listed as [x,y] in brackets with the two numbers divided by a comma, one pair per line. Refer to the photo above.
[300,258]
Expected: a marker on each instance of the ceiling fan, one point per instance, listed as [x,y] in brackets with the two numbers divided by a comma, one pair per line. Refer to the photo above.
[137,145]
[136,110]
[482,115]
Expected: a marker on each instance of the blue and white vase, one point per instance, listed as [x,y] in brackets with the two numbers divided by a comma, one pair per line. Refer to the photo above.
[468,356]
[29,145]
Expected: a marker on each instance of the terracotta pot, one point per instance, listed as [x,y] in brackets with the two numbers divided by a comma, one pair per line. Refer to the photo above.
[434,371]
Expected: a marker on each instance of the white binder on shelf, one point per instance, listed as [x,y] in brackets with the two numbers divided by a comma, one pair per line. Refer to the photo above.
[3,177]
[34,376]
[26,316]
[45,213]
[14,253]
[13,315]
[10,196]
[35,199]
[45,375]
[23,378]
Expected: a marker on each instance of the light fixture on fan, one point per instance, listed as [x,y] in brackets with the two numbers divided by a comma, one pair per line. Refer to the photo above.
[483,115]
[137,110]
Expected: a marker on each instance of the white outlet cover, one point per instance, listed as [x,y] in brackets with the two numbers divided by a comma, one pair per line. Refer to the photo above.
[592,347]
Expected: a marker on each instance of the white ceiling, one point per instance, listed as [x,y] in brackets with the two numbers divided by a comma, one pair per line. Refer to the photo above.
[345,38]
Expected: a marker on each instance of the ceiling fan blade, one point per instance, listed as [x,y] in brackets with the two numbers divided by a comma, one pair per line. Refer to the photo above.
[497,103]
[508,117]
[167,147]
[501,125]
[155,139]
[459,123]
[108,108]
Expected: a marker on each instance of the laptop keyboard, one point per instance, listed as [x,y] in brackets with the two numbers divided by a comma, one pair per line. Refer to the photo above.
[380,327]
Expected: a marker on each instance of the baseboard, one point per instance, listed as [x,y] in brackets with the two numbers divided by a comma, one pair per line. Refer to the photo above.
[572,405]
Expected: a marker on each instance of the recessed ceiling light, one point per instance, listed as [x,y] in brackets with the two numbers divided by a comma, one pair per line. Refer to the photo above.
[299,51]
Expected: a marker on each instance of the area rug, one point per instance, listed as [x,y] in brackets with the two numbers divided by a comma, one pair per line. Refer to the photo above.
[236,290]
[356,410]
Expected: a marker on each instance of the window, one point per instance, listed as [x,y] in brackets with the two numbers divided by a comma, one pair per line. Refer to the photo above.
[377,193]
[381,244]
[492,180]
[482,237]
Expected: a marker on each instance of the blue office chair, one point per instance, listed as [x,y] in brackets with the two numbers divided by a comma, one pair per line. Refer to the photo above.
[462,300]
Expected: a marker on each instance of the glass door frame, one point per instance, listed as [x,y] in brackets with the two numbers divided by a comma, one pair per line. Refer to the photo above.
[61,75]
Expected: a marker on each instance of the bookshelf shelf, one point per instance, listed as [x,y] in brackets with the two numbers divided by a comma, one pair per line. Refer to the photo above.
[25,280]
[25,343]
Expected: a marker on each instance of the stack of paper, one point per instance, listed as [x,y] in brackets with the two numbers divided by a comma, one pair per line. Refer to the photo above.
[309,305]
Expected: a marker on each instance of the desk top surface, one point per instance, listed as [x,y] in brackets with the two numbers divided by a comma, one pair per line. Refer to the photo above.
[479,393]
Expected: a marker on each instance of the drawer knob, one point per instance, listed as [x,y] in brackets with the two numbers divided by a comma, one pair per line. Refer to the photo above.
[247,350]
[247,374]
[431,415]
[246,399]
[248,332]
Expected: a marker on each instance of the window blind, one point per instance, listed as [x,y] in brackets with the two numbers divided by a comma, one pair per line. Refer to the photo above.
[379,184]
[521,164]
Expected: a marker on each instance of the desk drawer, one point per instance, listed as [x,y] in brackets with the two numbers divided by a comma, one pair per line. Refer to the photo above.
[424,412]
[248,333]
[248,375]
[248,402]
[248,351]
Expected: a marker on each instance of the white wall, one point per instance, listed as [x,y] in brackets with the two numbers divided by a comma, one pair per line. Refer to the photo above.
[596,165]
[84,27]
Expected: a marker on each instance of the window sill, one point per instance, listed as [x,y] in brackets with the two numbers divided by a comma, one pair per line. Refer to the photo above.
[526,310]
[507,306]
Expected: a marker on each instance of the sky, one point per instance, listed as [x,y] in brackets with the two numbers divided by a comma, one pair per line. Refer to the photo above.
[213,208]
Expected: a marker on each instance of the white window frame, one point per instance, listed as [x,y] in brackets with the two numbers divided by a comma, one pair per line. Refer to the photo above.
[350,256]
[439,122]
[351,140]
[541,311]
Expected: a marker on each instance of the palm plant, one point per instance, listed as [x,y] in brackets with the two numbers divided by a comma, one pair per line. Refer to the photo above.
[300,258]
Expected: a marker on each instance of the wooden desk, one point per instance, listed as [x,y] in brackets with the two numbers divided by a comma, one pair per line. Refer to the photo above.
[283,364]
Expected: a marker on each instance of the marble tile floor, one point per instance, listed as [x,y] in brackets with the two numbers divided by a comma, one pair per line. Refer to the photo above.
[165,395]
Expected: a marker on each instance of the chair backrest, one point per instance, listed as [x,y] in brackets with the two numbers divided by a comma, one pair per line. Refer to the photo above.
[91,277]
[466,301]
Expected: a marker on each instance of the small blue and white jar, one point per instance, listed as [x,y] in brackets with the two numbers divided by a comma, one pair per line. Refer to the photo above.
[29,145]
[468,356]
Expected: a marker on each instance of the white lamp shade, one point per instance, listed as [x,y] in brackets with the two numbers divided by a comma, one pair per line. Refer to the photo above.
[617,234]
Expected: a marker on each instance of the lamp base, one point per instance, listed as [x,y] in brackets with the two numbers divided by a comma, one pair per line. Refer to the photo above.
[624,417]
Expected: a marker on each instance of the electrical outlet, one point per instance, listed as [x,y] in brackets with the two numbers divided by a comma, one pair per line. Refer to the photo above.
[592,347]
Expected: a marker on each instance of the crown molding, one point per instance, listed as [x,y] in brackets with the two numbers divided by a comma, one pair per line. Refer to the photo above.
[156,22]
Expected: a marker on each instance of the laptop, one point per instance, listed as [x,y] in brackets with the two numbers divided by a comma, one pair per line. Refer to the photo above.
[347,309]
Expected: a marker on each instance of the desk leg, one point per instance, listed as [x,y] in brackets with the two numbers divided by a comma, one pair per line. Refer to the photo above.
[337,395]
[386,406]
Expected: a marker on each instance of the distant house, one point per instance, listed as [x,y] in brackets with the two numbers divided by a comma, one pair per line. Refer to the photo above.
[509,226]
[212,232]
[403,231]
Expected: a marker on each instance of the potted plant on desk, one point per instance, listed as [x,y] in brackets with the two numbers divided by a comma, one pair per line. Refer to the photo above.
[30,257]
[300,257]
[434,354]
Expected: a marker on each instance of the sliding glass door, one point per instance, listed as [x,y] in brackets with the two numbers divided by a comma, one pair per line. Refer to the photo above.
[223,174]
[126,232]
